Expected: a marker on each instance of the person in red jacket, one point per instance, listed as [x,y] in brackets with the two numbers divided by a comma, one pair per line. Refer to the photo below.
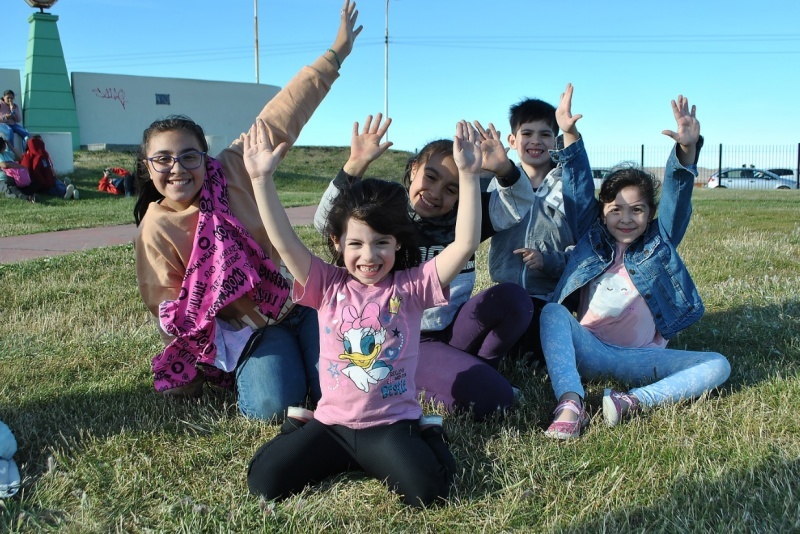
[43,175]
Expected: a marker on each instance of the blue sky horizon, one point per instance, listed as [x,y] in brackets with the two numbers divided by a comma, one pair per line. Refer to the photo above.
[452,59]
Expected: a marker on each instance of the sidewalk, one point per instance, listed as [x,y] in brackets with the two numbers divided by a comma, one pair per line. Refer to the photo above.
[27,247]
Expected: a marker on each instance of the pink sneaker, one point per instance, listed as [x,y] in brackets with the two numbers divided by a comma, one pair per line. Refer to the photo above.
[618,405]
[568,429]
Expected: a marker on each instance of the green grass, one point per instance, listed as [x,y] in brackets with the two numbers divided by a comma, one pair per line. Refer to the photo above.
[100,451]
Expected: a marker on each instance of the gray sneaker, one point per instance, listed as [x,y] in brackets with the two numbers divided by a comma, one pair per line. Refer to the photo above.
[75,194]
[70,192]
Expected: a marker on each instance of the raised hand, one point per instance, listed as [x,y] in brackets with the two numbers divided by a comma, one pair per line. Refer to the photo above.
[343,44]
[494,154]
[467,148]
[688,126]
[366,147]
[564,117]
[260,158]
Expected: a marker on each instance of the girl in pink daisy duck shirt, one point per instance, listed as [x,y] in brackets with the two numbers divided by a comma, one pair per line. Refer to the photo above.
[370,306]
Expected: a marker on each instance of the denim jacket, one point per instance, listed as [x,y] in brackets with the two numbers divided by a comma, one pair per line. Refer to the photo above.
[652,261]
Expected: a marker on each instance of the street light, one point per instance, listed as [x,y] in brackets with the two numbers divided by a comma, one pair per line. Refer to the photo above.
[41,4]
[386,71]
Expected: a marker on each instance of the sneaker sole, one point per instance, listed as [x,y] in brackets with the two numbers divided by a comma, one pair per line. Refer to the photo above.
[610,414]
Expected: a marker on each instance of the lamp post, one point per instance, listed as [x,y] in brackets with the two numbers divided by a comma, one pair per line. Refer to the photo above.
[255,9]
[41,4]
[386,71]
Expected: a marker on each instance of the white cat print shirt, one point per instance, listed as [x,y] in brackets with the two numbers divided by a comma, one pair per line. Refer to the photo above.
[614,311]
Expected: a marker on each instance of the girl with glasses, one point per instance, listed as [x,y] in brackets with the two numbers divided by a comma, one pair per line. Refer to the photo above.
[206,267]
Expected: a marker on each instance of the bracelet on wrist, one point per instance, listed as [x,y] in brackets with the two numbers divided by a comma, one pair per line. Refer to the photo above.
[336,57]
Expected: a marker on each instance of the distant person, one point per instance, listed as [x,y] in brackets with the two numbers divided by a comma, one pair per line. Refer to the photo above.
[370,304]
[635,292]
[43,176]
[117,181]
[534,252]
[201,237]
[11,119]
[463,341]
[10,160]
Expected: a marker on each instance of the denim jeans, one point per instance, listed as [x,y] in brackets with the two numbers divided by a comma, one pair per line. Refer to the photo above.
[282,369]
[663,375]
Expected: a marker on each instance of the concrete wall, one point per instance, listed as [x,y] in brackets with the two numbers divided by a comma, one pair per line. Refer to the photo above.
[115,109]
[9,79]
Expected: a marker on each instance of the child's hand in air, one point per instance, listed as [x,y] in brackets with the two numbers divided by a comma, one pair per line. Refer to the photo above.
[564,117]
[688,126]
[467,148]
[366,147]
[688,130]
[494,154]
[343,44]
[260,159]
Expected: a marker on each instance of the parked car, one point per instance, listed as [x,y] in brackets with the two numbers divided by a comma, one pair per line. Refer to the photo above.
[785,173]
[598,175]
[743,178]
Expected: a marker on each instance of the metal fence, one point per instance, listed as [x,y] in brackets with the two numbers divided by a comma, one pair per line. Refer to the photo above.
[731,166]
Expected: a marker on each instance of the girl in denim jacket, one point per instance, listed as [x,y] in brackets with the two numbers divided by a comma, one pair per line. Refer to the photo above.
[635,292]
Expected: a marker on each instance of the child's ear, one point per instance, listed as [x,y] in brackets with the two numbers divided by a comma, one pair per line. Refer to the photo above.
[511,141]
[335,243]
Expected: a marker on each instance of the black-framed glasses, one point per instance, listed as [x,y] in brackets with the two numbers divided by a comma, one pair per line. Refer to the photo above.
[188,160]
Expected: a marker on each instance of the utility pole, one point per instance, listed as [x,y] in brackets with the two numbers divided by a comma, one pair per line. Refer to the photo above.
[255,18]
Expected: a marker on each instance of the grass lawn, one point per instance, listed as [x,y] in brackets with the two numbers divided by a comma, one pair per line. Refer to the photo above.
[100,451]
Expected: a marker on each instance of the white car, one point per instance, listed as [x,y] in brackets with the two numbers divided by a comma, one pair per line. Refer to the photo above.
[785,173]
[746,178]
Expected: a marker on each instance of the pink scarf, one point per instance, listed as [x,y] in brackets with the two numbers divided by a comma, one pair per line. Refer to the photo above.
[226,263]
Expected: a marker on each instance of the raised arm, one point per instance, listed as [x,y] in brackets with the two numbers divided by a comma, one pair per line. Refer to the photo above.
[261,160]
[565,119]
[675,208]
[467,155]
[366,146]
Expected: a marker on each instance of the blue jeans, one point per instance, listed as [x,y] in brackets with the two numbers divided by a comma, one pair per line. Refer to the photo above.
[59,189]
[664,375]
[8,131]
[282,369]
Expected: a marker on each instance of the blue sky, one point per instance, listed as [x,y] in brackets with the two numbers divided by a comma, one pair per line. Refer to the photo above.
[452,59]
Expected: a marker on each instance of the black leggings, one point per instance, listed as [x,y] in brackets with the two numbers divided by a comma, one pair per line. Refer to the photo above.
[417,465]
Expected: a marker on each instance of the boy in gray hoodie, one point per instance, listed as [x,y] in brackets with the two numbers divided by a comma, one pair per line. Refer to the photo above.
[534,252]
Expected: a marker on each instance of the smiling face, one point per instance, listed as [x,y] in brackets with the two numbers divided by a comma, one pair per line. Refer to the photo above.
[532,141]
[434,186]
[368,256]
[628,215]
[179,186]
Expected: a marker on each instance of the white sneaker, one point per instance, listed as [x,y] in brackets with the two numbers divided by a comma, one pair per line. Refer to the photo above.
[75,194]
[70,192]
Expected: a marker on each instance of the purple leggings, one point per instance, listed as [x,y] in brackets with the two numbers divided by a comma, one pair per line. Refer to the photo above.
[458,365]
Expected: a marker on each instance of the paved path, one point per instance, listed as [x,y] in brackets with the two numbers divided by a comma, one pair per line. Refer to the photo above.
[28,247]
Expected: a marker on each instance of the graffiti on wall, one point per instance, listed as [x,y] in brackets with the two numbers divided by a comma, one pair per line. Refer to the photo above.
[111,93]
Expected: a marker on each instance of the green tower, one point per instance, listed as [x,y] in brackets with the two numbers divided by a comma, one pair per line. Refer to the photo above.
[48,105]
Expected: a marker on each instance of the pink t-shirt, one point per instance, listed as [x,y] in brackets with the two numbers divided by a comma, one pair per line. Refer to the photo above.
[369,341]
[614,311]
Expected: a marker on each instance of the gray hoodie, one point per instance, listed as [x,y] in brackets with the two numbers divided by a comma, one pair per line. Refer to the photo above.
[543,228]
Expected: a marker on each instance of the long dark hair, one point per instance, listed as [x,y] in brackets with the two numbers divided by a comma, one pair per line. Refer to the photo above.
[381,205]
[144,184]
